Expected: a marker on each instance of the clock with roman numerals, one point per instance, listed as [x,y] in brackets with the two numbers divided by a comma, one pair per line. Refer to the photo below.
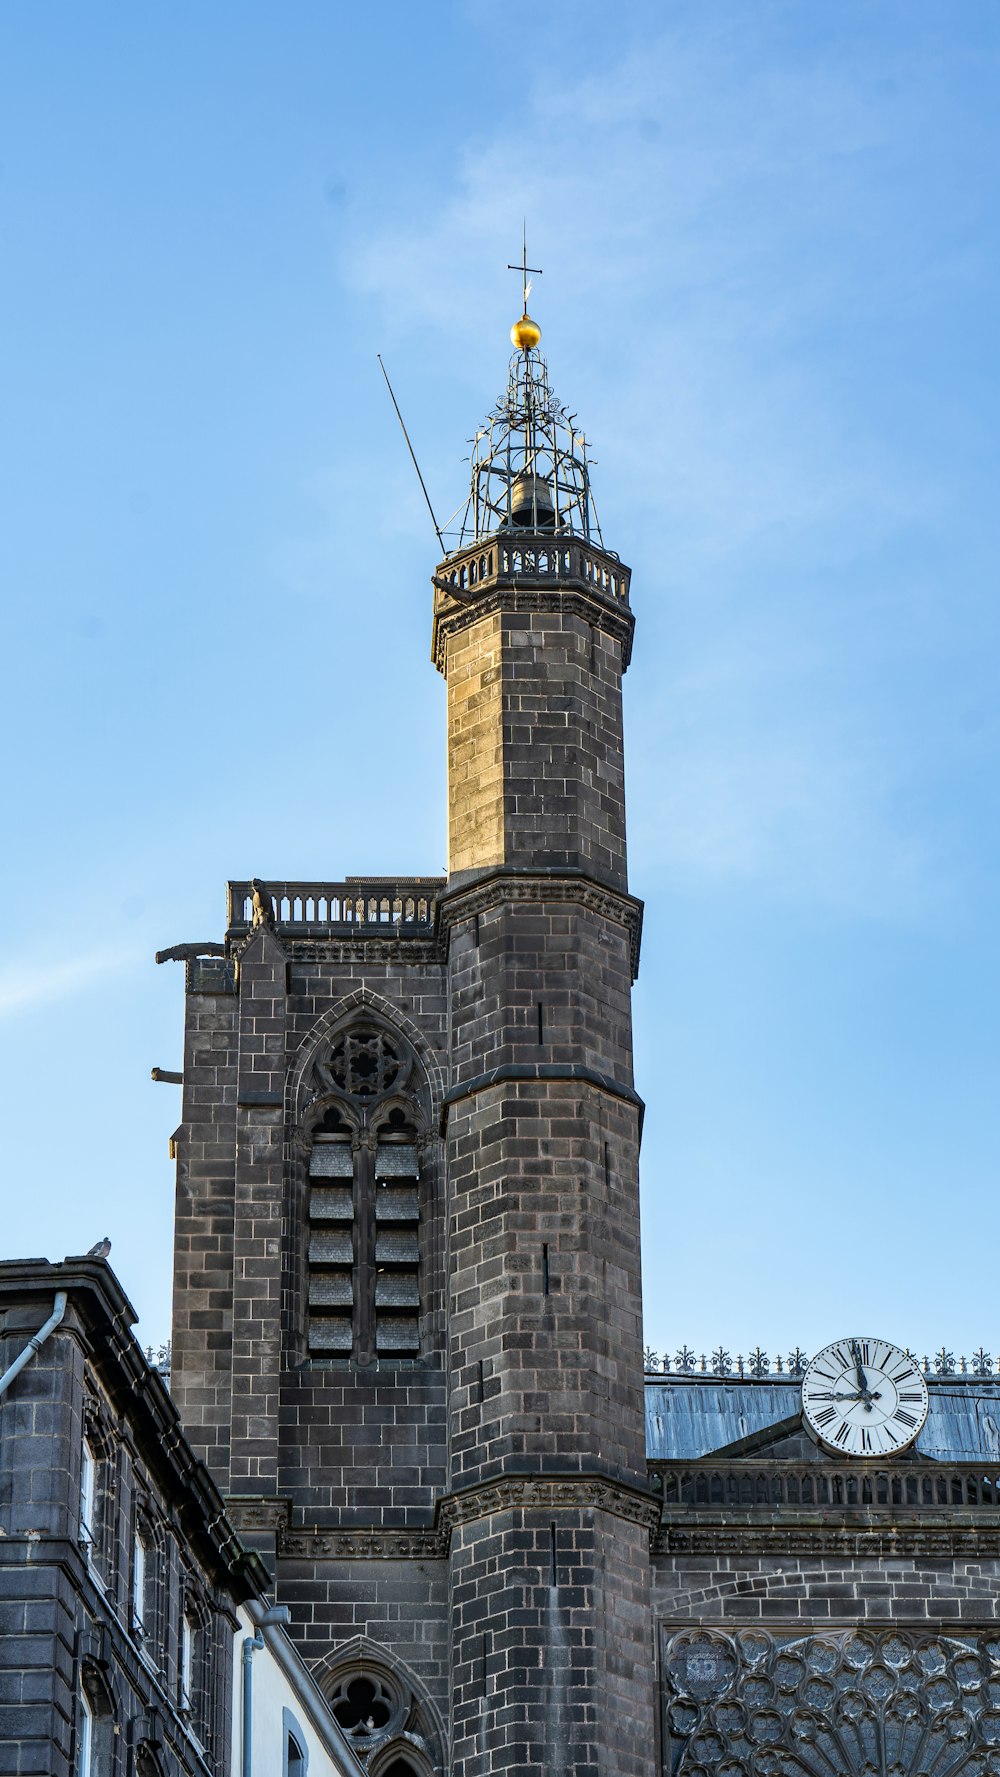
[864,1397]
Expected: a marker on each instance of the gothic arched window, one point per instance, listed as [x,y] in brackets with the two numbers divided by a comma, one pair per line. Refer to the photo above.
[382,1715]
[364,1201]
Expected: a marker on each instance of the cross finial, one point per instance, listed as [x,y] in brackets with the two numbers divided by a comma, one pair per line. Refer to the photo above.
[523,267]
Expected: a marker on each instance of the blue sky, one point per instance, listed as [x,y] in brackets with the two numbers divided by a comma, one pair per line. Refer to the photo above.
[769,235]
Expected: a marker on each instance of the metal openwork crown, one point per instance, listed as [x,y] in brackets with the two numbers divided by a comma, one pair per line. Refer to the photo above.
[530,470]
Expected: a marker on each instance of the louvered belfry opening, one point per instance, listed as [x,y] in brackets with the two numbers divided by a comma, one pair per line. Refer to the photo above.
[397,1240]
[363,1252]
[331,1239]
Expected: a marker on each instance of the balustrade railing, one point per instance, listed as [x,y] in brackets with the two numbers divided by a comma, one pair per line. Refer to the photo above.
[564,560]
[379,905]
[745,1486]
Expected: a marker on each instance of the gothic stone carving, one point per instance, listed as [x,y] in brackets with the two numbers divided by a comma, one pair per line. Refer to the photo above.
[857,1704]
[546,1492]
[263,1514]
[362,1545]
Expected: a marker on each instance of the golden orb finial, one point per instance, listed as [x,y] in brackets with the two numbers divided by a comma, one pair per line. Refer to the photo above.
[525,333]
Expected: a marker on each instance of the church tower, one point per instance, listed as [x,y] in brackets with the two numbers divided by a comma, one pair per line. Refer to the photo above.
[407,1318]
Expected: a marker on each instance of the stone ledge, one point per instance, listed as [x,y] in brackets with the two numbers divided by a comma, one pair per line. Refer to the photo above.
[536,886]
[540,1073]
[549,1493]
[450,617]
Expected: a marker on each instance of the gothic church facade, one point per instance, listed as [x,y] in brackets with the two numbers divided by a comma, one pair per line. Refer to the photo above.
[407,1319]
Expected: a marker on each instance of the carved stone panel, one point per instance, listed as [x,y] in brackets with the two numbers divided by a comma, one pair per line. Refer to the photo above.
[878,1704]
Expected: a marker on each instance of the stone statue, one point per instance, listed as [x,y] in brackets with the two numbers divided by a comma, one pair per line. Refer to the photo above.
[263,906]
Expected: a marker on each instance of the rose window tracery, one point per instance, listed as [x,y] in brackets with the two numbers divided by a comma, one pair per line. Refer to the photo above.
[362,1063]
[878,1704]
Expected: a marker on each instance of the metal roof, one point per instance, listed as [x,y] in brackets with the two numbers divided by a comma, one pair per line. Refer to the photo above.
[688,1417]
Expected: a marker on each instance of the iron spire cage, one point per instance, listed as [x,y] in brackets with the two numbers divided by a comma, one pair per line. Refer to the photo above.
[530,469]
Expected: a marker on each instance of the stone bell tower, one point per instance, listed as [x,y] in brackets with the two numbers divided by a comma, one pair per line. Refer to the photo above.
[407,1333]
[548,1508]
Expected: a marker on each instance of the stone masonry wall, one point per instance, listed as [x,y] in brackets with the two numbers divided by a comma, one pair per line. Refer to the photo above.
[825,1589]
[551,1646]
[535,746]
[563,749]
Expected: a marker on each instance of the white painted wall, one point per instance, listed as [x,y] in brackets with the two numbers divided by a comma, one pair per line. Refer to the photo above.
[275,1691]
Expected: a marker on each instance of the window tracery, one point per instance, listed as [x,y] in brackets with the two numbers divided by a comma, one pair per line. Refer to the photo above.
[383,1719]
[761,1705]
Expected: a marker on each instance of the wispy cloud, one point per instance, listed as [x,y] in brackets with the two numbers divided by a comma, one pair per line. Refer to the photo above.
[686,192]
[30,983]
[742,261]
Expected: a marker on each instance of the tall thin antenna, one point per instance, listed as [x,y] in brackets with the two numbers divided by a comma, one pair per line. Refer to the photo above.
[416,465]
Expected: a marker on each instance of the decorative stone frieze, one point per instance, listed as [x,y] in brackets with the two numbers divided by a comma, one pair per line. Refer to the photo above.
[549,1493]
[362,1545]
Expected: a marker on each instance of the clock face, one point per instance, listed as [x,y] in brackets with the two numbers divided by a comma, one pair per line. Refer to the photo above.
[864,1397]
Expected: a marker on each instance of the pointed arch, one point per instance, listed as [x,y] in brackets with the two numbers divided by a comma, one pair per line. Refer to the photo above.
[328,1026]
[363,1185]
[415,1731]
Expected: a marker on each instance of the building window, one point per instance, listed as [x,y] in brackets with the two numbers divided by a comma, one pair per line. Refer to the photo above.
[382,1717]
[138,1586]
[296,1759]
[88,1497]
[188,1637]
[147,1584]
[84,1738]
[194,1675]
[95,1725]
[364,1282]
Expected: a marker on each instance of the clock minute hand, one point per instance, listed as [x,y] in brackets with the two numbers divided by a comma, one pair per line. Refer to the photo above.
[862,1378]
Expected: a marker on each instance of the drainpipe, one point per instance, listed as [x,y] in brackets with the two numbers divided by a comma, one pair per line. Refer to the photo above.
[35,1344]
[279,1613]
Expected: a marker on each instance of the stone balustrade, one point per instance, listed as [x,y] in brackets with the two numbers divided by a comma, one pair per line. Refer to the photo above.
[392,906]
[764,1488]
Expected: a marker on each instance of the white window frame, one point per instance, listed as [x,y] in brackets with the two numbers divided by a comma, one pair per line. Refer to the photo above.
[85,1737]
[88,1483]
[187,1662]
[138,1586]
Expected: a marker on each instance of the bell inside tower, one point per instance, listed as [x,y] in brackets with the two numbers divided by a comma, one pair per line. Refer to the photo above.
[531,506]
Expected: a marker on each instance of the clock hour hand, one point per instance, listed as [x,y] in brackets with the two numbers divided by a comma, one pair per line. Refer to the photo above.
[866,1396]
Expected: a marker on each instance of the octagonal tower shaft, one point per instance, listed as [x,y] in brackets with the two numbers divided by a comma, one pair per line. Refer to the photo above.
[549,1508]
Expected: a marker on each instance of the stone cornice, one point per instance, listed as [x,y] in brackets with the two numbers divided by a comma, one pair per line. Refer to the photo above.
[548,1493]
[375,946]
[362,1545]
[535,1492]
[874,1541]
[524,1072]
[450,617]
[502,886]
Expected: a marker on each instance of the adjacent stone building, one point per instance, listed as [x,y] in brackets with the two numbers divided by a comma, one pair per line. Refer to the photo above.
[136,1637]
[407,1319]
[120,1575]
